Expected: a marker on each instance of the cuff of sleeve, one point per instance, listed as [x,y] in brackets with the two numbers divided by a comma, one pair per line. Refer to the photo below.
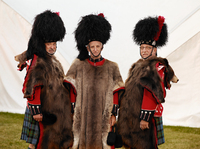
[115,109]
[34,109]
[72,107]
[146,115]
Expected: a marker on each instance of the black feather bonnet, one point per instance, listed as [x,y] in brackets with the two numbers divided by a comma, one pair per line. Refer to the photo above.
[152,31]
[91,28]
[47,27]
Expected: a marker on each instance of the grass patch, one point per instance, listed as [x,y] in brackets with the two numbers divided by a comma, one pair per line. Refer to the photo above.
[181,138]
[175,137]
[10,130]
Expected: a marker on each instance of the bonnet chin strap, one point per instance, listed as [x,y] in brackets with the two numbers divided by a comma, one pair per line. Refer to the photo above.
[99,52]
[51,54]
[149,54]
[154,46]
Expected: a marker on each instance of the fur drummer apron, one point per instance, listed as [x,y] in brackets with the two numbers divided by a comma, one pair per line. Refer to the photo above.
[94,84]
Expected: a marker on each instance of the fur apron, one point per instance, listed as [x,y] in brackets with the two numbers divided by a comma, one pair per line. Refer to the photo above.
[54,97]
[94,102]
[142,74]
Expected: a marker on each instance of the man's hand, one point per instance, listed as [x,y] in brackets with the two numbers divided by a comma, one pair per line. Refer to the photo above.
[144,124]
[112,120]
[38,117]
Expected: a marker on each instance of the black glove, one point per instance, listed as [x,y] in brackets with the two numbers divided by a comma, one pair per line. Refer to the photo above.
[48,118]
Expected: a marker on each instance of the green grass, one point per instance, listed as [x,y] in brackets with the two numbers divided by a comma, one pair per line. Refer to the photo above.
[181,138]
[10,131]
[175,137]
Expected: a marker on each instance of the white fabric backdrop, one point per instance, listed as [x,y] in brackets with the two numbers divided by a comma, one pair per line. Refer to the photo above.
[182,105]
[182,50]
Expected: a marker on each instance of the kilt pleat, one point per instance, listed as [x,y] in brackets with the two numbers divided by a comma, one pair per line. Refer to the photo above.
[160,131]
[30,129]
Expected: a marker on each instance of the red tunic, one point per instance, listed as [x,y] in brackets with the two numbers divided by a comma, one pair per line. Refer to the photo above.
[33,103]
[150,105]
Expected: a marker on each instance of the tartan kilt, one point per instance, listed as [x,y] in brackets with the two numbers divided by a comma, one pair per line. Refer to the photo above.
[30,129]
[160,131]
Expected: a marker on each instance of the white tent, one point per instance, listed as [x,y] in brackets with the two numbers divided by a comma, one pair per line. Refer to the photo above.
[182,50]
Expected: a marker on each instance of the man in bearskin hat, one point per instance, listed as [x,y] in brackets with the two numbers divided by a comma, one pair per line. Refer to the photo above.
[96,85]
[140,117]
[48,101]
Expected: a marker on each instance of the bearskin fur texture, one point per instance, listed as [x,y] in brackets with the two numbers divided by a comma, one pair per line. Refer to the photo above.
[21,58]
[142,73]
[54,100]
[146,29]
[94,102]
[47,27]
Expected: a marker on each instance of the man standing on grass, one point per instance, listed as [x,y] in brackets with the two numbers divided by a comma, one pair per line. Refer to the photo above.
[48,102]
[96,85]
[140,116]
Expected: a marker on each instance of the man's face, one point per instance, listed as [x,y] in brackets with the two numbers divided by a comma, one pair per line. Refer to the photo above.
[95,47]
[51,47]
[146,51]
